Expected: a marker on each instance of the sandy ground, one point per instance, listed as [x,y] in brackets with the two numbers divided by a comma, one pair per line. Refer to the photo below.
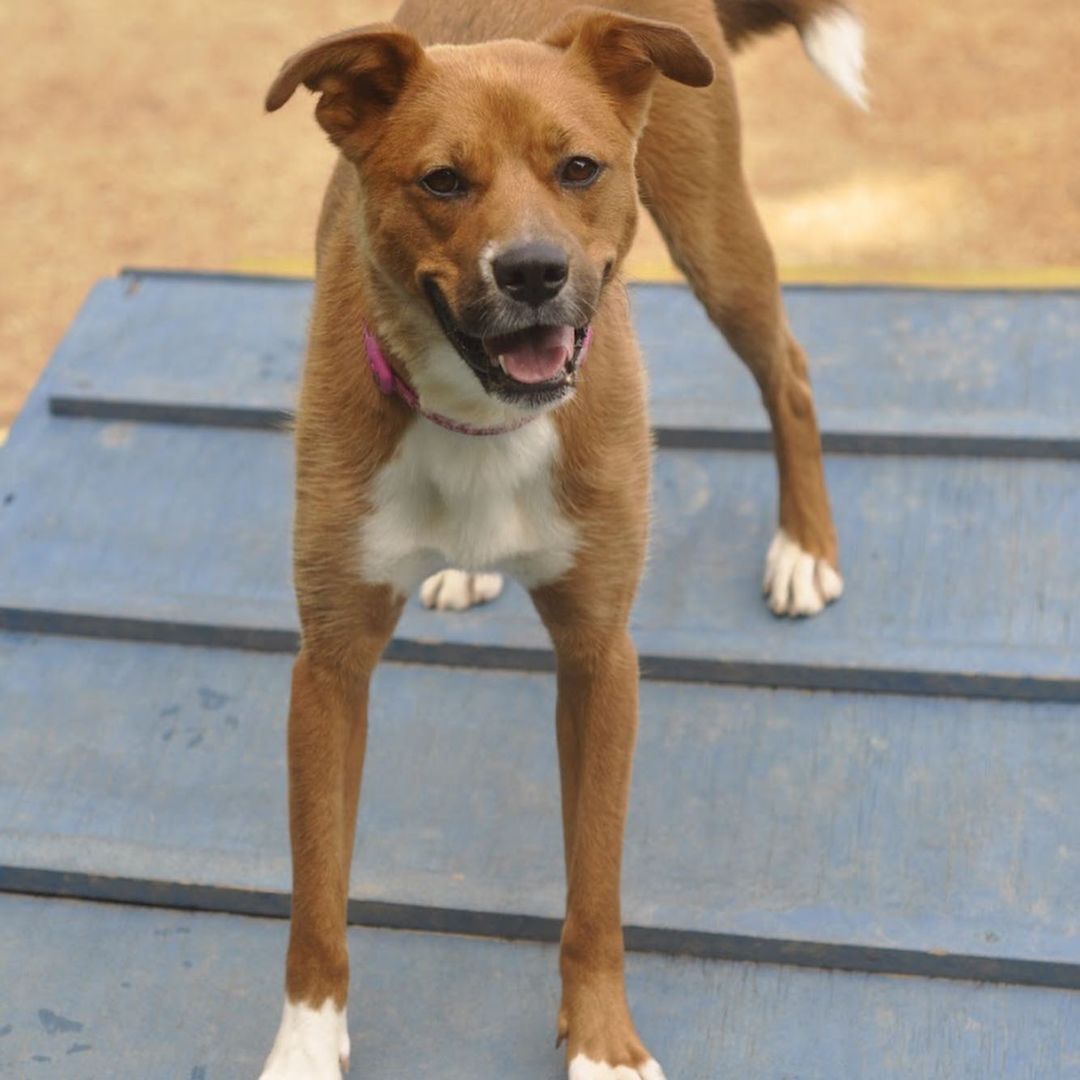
[132,134]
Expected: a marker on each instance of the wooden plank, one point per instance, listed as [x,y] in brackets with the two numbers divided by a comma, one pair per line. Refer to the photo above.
[899,834]
[897,370]
[155,531]
[200,997]
[189,341]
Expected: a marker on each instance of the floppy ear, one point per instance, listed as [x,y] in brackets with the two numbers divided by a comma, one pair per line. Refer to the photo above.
[626,54]
[359,73]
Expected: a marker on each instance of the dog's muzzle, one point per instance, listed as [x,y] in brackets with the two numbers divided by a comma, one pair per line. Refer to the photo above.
[533,365]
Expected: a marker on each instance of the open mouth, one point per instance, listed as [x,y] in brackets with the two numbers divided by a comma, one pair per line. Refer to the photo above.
[536,355]
[535,365]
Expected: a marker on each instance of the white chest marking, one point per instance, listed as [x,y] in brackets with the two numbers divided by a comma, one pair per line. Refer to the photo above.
[474,502]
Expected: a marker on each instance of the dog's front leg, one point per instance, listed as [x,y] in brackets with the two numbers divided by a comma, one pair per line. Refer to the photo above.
[326,743]
[596,724]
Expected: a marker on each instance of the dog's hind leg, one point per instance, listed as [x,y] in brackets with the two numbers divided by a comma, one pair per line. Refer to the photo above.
[691,180]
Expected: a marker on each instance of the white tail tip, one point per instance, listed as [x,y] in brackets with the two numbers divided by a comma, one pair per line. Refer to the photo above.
[834,42]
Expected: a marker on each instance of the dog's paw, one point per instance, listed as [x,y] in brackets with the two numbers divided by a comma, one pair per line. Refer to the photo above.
[456,590]
[601,1042]
[797,583]
[311,1044]
[584,1068]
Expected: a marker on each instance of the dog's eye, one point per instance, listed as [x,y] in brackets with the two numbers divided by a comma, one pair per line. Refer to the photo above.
[578,172]
[444,182]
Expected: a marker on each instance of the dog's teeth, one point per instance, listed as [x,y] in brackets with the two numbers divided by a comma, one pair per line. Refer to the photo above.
[502,363]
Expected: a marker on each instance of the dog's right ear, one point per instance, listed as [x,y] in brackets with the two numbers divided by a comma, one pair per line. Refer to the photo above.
[625,54]
[359,73]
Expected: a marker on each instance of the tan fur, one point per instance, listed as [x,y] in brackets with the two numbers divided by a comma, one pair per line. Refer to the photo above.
[381,98]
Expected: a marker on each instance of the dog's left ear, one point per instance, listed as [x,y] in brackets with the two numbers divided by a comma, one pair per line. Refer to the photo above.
[626,54]
[359,73]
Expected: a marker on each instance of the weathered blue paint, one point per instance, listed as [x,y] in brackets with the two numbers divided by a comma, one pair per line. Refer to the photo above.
[774,816]
[897,370]
[183,995]
[961,574]
[876,833]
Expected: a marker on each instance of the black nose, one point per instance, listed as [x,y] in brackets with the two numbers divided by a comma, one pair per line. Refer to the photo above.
[532,272]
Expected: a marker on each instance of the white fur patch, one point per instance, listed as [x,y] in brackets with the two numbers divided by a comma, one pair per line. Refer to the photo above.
[311,1044]
[795,582]
[456,590]
[486,263]
[475,502]
[834,42]
[584,1068]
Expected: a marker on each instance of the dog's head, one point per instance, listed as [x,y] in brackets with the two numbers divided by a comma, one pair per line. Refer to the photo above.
[497,181]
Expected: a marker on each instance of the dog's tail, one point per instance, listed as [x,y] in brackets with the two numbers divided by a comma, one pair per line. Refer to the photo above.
[831,33]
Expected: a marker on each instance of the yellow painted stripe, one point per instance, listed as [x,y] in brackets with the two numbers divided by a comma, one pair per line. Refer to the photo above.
[1030,277]
[283,267]
[661,270]
[3,435]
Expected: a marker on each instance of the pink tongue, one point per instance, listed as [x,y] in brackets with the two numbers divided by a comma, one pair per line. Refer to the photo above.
[540,357]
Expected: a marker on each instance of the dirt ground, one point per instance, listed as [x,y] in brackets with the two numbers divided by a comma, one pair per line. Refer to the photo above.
[132,135]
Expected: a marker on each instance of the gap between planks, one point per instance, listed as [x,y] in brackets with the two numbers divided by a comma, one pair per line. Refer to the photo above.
[922,444]
[662,668]
[507,926]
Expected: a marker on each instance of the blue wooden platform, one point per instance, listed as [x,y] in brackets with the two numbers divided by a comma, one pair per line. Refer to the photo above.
[897,370]
[818,807]
[182,996]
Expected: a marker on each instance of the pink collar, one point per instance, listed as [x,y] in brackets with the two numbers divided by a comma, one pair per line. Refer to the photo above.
[392,384]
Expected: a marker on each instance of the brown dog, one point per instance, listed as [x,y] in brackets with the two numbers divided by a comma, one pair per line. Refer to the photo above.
[468,258]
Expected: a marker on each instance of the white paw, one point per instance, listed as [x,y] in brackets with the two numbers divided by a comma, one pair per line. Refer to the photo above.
[456,590]
[311,1044]
[796,583]
[584,1068]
